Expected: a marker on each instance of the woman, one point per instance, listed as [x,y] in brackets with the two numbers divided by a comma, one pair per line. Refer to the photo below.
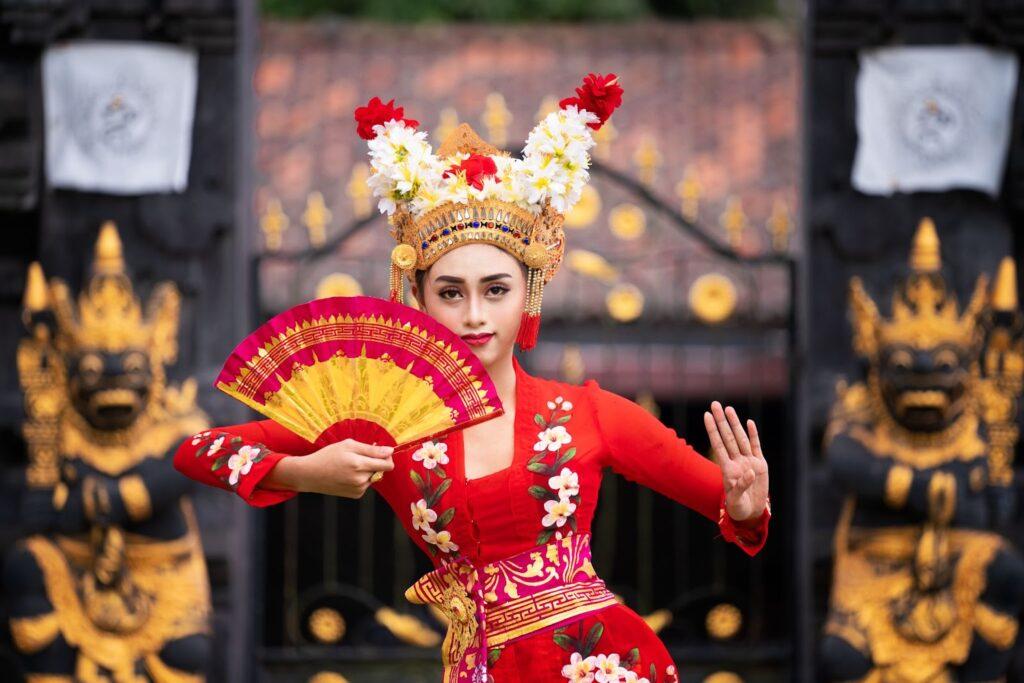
[504,507]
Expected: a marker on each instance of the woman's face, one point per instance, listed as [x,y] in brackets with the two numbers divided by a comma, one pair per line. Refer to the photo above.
[478,291]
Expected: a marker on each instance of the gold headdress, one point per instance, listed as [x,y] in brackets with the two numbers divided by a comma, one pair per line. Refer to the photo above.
[109,317]
[924,312]
[471,192]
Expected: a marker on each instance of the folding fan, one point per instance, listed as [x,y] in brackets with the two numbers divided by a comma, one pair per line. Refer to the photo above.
[361,368]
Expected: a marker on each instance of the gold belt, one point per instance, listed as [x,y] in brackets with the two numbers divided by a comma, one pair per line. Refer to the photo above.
[509,599]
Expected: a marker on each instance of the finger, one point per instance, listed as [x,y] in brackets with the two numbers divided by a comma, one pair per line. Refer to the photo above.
[741,484]
[755,441]
[717,448]
[370,450]
[724,430]
[737,430]
[368,464]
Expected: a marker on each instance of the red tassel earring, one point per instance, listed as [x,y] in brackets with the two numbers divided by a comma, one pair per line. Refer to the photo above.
[529,325]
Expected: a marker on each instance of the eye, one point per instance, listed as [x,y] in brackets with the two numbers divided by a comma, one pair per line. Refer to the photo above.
[90,367]
[901,360]
[946,359]
[134,362]
[497,290]
[449,293]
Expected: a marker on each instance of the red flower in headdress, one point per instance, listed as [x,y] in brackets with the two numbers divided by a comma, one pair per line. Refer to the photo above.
[477,167]
[377,112]
[600,95]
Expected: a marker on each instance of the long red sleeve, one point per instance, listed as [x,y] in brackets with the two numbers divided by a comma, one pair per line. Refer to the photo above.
[238,457]
[642,449]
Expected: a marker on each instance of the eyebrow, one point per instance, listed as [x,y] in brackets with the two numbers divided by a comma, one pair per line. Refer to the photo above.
[459,280]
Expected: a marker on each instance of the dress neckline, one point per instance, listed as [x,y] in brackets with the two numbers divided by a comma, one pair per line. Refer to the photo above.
[520,391]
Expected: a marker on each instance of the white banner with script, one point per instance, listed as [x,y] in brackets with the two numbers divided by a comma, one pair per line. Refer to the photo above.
[933,118]
[119,116]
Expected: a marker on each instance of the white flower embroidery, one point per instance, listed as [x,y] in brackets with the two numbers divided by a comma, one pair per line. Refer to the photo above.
[215,446]
[560,404]
[199,437]
[442,539]
[566,483]
[608,669]
[422,516]
[558,511]
[432,454]
[579,669]
[241,462]
[552,439]
[633,677]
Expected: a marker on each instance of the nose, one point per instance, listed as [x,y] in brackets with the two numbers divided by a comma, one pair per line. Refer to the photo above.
[475,311]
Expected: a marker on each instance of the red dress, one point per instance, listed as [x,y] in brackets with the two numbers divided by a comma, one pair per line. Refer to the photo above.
[490,527]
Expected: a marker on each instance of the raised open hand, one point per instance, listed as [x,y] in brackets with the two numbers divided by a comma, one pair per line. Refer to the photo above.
[738,454]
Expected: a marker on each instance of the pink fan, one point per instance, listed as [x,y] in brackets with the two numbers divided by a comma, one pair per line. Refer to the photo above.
[362,368]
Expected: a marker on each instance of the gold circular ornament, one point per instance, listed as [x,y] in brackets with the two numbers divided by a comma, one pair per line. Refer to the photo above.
[723,677]
[327,677]
[586,210]
[627,221]
[327,625]
[713,297]
[723,621]
[536,256]
[404,256]
[591,264]
[625,302]
[338,284]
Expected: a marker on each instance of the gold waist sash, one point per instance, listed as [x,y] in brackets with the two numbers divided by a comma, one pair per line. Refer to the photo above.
[509,599]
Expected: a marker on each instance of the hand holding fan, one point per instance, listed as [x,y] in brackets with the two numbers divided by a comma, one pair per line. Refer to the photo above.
[361,368]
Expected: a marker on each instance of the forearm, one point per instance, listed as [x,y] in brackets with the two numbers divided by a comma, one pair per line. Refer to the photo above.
[286,475]
[239,457]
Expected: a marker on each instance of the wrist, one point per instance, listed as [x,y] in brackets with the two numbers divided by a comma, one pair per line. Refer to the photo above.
[751,519]
[288,475]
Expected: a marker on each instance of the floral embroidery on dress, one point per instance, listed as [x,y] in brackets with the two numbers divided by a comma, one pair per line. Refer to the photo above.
[586,667]
[562,495]
[237,455]
[432,454]
[432,484]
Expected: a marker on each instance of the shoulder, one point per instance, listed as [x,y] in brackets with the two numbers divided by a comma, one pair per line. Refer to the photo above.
[544,389]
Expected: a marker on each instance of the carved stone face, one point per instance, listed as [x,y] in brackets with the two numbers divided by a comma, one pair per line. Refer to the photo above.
[923,389]
[110,390]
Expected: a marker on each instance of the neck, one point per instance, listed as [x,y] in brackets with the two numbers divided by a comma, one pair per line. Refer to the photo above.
[503,374]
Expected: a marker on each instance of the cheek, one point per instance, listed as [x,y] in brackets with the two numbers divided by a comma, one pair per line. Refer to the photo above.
[512,310]
[442,311]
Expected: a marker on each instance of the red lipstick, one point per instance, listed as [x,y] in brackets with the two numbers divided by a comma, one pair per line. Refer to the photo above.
[477,339]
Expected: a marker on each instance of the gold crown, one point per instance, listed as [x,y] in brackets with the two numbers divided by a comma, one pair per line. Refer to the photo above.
[924,312]
[535,239]
[109,317]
